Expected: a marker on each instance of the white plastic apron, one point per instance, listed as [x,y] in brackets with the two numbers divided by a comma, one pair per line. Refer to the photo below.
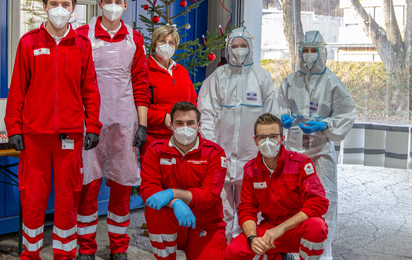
[115,157]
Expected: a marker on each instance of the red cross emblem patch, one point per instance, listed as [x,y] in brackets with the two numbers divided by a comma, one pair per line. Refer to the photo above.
[309,169]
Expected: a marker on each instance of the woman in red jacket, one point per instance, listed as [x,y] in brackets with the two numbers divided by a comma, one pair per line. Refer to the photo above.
[169,84]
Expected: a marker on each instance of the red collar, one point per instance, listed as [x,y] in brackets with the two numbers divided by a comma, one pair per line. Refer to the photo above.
[48,37]
[154,65]
[172,150]
[101,33]
[279,165]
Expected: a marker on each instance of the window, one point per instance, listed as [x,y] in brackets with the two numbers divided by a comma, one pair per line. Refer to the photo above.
[26,15]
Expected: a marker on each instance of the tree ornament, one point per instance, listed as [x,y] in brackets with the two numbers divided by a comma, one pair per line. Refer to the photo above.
[192,1]
[211,56]
[146,7]
[187,26]
[155,19]
[183,3]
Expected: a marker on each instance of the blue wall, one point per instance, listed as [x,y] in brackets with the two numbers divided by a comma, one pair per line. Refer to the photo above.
[3,48]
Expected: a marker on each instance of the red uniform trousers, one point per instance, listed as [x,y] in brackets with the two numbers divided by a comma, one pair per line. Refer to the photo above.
[306,239]
[41,153]
[118,218]
[166,236]
[150,139]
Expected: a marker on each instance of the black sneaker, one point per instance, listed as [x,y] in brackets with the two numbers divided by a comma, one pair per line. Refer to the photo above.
[84,257]
[118,256]
[287,256]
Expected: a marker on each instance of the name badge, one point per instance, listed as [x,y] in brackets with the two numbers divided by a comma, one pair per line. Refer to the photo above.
[67,144]
[197,161]
[164,161]
[41,51]
[260,185]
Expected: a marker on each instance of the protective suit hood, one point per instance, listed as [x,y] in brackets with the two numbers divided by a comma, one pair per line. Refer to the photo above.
[230,57]
[313,39]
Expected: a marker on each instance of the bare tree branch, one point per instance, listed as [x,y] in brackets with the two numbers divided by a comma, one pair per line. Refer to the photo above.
[391,26]
[378,37]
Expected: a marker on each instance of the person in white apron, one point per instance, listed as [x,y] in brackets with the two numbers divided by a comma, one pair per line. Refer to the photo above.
[230,100]
[122,75]
[317,109]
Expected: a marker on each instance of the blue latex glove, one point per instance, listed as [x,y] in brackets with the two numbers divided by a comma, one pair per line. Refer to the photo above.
[160,199]
[184,214]
[313,126]
[286,121]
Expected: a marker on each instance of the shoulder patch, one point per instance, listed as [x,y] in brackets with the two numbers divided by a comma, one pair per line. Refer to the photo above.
[309,168]
[224,161]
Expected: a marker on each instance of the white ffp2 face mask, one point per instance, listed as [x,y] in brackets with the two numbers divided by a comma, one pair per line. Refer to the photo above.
[165,51]
[240,54]
[310,59]
[269,148]
[185,135]
[112,12]
[59,16]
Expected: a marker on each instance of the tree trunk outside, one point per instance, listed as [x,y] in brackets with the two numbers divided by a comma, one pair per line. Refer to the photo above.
[292,28]
[379,38]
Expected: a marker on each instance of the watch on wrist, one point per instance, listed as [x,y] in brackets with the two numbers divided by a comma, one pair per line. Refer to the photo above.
[249,240]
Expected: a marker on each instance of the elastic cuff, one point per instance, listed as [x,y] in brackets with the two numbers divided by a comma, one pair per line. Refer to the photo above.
[308,212]
[15,131]
[173,205]
[93,130]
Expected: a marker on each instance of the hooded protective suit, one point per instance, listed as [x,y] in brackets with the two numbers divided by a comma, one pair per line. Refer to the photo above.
[230,100]
[314,93]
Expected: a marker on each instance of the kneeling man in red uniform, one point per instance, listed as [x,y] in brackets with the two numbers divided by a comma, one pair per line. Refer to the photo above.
[182,178]
[283,185]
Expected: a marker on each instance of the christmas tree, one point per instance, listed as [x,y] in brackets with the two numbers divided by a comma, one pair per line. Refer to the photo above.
[191,54]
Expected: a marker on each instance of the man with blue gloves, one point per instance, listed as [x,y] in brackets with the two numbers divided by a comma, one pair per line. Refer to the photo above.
[317,109]
[182,178]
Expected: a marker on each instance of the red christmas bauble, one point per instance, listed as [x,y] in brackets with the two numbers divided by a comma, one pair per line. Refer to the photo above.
[211,56]
[155,19]
[146,7]
[192,1]
[183,3]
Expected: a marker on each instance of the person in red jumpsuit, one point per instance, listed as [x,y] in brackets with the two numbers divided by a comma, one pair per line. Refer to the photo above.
[122,74]
[169,83]
[285,188]
[182,178]
[53,91]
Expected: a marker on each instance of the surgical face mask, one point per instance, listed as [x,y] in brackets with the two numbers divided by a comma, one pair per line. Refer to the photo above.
[112,12]
[165,51]
[59,16]
[240,54]
[185,135]
[269,148]
[310,59]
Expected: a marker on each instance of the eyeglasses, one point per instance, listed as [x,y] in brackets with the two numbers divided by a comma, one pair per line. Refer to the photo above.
[274,137]
[161,42]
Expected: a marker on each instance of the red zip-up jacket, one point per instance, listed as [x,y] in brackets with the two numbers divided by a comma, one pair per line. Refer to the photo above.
[166,91]
[201,171]
[294,186]
[140,71]
[53,87]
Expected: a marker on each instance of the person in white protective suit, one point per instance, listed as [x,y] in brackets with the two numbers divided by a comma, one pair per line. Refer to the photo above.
[122,75]
[230,100]
[317,109]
